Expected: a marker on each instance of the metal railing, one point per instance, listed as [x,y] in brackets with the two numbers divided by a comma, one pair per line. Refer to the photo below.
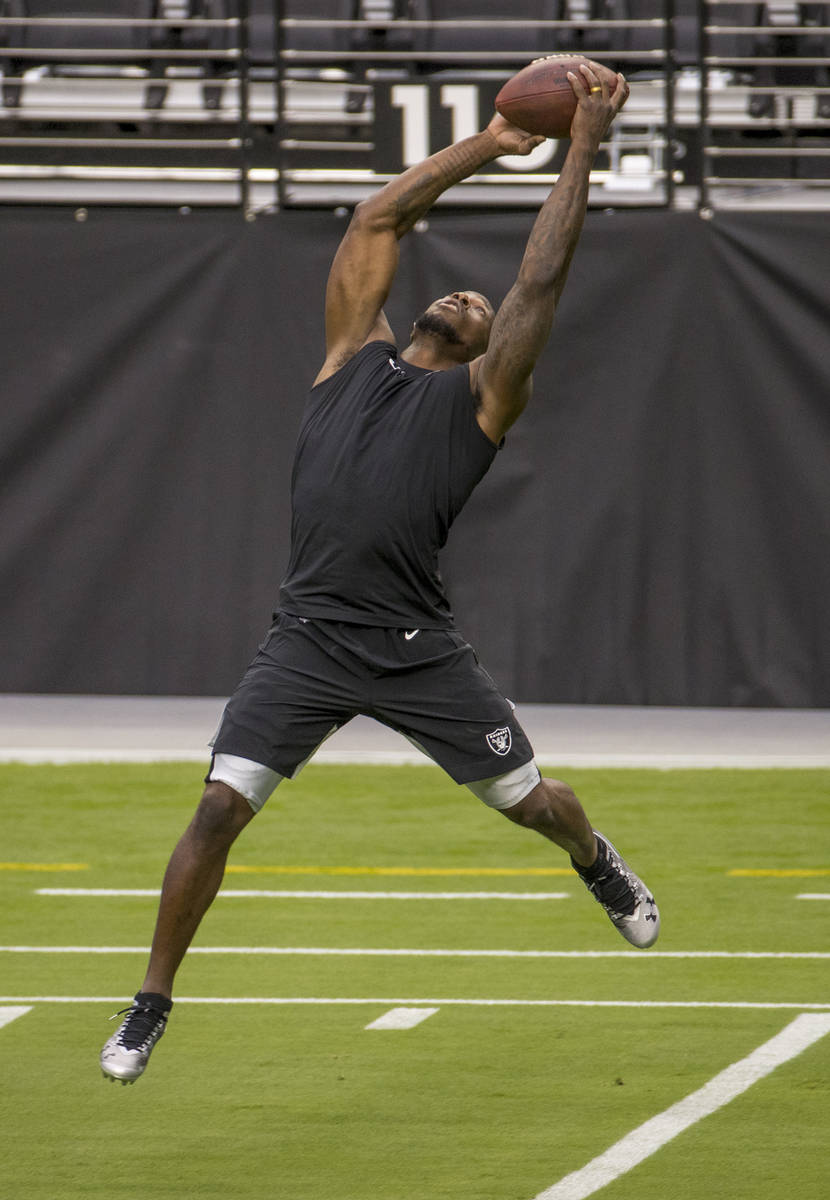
[245,103]
[89,121]
[777,141]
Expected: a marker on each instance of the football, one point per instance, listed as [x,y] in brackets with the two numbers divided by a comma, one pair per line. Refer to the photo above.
[539,98]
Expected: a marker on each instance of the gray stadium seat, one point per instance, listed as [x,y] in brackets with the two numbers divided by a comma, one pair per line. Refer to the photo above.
[94,40]
[787,45]
[686,33]
[524,41]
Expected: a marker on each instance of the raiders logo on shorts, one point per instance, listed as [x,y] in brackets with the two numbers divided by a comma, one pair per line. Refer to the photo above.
[500,740]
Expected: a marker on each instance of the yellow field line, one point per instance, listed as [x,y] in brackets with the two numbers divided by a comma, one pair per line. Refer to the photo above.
[291,870]
[239,869]
[781,873]
[23,866]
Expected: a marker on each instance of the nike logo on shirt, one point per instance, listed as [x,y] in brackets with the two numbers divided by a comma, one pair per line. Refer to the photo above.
[411,634]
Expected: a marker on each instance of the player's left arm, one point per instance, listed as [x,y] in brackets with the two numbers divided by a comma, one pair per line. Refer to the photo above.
[502,378]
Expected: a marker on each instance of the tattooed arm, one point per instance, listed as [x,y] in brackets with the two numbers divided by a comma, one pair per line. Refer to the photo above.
[367,258]
[501,378]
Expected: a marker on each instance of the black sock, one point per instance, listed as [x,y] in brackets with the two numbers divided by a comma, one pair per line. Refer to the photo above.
[597,866]
[154,1000]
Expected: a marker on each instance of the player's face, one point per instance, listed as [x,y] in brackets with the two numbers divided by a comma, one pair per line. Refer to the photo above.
[469,315]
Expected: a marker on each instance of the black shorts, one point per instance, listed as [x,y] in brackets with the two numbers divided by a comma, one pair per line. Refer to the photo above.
[310,677]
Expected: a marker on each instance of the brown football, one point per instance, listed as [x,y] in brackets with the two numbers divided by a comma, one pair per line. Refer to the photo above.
[540,99]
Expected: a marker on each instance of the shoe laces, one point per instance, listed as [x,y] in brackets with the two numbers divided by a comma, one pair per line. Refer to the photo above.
[615,888]
[142,1026]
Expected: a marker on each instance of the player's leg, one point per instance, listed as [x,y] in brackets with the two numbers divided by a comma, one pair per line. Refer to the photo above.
[289,700]
[281,711]
[551,809]
[191,881]
[449,706]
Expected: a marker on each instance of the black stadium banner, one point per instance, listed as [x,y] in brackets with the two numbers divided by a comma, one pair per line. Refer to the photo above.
[414,118]
[656,529]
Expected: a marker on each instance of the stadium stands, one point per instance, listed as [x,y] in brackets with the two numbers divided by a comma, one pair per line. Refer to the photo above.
[278,102]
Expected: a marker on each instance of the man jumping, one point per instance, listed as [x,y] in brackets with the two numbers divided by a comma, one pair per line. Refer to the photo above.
[390,448]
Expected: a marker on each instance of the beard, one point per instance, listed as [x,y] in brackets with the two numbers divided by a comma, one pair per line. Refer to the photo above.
[433,323]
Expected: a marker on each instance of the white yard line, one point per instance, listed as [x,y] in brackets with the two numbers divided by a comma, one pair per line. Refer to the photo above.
[393,952]
[7,1015]
[402,1018]
[437,1002]
[648,1138]
[813,896]
[255,894]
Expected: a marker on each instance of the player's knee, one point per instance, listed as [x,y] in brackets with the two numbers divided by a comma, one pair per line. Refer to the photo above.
[546,808]
[221,814]
[531,810]
[560,795]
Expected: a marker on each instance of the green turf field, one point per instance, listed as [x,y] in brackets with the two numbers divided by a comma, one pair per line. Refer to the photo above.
[565,1053]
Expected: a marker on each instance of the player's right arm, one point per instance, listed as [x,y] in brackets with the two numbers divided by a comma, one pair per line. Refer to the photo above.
[367,258]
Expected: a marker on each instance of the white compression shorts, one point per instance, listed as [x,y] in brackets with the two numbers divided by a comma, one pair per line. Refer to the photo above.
[256,782]
[503,791]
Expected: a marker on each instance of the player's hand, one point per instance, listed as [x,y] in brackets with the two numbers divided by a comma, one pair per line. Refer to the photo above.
[510,138]
[596,104]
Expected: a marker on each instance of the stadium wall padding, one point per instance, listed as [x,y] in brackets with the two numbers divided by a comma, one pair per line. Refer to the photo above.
[655,531]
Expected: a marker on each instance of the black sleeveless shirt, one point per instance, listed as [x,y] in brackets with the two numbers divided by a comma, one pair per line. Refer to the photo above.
[387,456]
